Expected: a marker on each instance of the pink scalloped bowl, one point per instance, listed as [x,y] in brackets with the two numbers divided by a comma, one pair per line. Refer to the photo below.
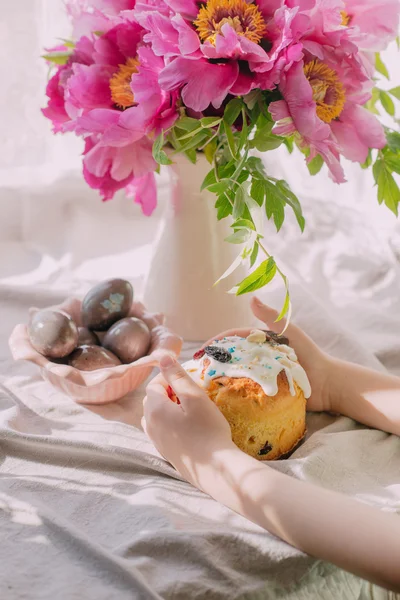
[104,385]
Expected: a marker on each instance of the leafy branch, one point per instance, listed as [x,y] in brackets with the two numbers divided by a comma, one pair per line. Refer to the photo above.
[243,190]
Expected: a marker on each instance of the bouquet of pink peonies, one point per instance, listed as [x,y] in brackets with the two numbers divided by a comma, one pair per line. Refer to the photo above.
[226,77]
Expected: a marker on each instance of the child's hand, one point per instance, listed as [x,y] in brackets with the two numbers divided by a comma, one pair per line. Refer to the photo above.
[187,434]
[316,363]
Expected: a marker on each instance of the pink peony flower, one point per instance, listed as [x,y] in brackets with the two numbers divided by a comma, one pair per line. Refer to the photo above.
[323,96]
[373,23]
[322,106]
[223,47]
[55,110]
[108,92]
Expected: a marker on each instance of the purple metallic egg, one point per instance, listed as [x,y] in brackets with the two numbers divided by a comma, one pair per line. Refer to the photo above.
[91,358]
[106,303]
[129,339]
[87,337]
[53,333]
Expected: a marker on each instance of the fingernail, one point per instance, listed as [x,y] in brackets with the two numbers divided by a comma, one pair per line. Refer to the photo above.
[166,361]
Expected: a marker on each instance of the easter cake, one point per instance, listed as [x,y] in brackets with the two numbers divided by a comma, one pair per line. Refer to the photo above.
[260,388]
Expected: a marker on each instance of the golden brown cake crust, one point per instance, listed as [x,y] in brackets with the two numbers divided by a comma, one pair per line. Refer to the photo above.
[266,427]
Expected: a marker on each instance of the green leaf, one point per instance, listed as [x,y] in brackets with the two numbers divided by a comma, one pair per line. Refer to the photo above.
[387,103]
[368,161]
[238,237]
[223,206]
[388,190]
[230,138]
[252,98]
[256,167]
[207,122]
[187,123]
[260,277]
[315,165]
[192,156]
[210,150]
[257,191]
[293,201]
[209,179]
[376,169]
[187,136]
[380,66]
[158,153]
[370,105]
[395,92]
[265,143]
[392,161]
[254,254]
[285,307]
[220,186]
[263,139]
[288,141]
[243,224]
[244,175]
[238,205]
[244,134]
[196,141]
[236,263]
[58,58]
[232,111]
[67,43]
[274,205]
[393,140]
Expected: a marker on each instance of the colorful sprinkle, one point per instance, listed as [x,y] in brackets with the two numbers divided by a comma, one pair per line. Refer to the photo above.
[232,349]
[212,372]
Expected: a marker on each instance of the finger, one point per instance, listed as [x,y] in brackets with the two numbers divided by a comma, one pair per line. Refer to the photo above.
[156,403]
[240,332]
[267,315]
[297,338]
[182,384]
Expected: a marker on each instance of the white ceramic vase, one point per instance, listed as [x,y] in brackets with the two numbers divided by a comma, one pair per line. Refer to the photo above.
[190,254]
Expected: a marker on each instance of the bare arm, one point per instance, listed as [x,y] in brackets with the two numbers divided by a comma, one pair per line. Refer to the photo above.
[326,525]
[366,396]
[322,523]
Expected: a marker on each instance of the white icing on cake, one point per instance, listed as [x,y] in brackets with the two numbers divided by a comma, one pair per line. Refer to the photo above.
[261,362]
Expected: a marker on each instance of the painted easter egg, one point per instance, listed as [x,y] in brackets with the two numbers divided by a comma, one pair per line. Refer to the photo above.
[91,358]
[53,333]
[106,303]
[129,339]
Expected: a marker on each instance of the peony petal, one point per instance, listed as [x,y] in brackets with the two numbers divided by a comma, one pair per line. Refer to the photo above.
[55,110]
[162,35]
[374,23]
[189,41]
[202,83]
[357,131]
[187,8]
[98,120]
[144,191]
[89,86]
[297,93]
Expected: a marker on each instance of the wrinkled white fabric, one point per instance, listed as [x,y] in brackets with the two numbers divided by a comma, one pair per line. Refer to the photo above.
[87,508]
